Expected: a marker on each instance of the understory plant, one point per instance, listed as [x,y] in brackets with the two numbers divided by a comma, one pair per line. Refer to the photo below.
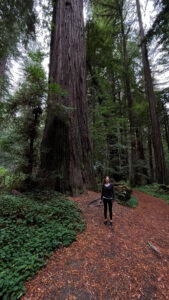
[32,226]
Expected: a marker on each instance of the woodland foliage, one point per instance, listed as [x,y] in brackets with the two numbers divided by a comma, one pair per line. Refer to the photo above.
[122,144]
[32,226]
[110,125]
[84,116]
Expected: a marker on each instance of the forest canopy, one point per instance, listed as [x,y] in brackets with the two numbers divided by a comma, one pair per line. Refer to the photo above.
[100,106]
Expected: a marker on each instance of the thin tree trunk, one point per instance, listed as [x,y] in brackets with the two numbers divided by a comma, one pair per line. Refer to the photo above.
[166,123]
[150,154]
[3,62]
[94,121]
[130,102]
[156,134]
[95,82]
[113,85]
[140,151]
[32,137]
[66,159]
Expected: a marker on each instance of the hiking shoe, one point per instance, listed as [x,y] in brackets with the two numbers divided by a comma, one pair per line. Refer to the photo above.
[105,222]
[111,224]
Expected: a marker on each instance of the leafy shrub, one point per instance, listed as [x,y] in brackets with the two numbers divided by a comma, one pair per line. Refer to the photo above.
[9,181]
[15,181]
[3,175]
[157,190]
[32,227]
[132,202]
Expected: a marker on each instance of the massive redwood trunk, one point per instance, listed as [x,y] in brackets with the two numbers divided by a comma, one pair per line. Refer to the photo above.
[156,134]
[66,159]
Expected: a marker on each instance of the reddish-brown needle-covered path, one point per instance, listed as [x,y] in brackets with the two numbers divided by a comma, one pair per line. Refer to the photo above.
[111,263]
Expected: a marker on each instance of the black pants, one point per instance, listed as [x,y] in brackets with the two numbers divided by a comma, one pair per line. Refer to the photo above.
[110,203]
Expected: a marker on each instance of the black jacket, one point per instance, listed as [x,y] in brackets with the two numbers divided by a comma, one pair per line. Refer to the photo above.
[108,192]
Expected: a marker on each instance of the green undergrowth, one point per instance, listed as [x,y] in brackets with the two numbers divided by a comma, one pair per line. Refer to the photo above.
[156,190]
[132,202]
[32,226]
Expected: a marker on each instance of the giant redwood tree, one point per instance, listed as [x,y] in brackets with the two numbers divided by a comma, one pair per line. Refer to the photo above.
[156,133]
[66,150]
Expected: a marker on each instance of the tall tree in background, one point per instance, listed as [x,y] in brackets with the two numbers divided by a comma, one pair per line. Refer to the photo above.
[17,24]
[160,25]
[66,150]
[156,134]
[113,13]
[120,8]
[24,108]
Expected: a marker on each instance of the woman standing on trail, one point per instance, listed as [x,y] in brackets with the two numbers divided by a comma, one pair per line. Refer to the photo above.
[107,196]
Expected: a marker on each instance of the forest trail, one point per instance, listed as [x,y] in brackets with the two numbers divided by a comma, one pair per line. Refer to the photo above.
[111,263]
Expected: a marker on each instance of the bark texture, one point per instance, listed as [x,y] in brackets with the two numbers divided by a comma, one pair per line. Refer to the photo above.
[66,159]
[156,134]
[142,174]
[150,155]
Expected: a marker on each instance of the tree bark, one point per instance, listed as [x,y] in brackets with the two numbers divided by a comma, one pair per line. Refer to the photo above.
[166,123]
[156,134]
[143,177]
[150,154]
[66,158]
